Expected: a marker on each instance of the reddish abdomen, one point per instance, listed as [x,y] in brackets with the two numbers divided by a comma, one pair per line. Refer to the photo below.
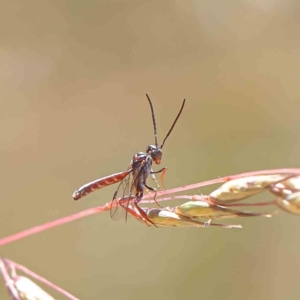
[98,184]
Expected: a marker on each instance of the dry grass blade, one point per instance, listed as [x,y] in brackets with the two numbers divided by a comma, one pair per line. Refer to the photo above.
[168,218]
[23,288]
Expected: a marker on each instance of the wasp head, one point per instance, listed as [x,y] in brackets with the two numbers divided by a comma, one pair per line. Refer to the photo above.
[155,153]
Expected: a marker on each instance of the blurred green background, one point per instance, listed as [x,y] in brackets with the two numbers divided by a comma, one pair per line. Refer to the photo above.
[73,78]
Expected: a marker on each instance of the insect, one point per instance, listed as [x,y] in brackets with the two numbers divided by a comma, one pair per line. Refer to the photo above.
[140,168]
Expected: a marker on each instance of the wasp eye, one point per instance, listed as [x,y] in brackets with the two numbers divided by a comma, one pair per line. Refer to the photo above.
[151,148]
[156,156]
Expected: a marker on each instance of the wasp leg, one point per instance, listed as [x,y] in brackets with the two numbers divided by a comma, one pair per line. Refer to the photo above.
[142,213]
[154,179]
[134,212]
[163,171]
[152,190]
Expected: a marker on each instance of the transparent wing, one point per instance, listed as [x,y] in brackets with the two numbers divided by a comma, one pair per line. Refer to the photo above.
[126,191]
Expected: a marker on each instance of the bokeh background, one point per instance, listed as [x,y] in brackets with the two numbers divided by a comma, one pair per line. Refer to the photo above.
[73,78]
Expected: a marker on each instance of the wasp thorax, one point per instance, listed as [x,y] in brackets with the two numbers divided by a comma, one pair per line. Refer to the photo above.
[155,152]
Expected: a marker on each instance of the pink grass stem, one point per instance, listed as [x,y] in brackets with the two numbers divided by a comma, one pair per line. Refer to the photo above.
[9,283]
[51,224]
[206,198]
[292,172]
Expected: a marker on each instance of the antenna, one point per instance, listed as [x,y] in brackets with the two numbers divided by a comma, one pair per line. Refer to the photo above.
[173,124]
[153,119]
